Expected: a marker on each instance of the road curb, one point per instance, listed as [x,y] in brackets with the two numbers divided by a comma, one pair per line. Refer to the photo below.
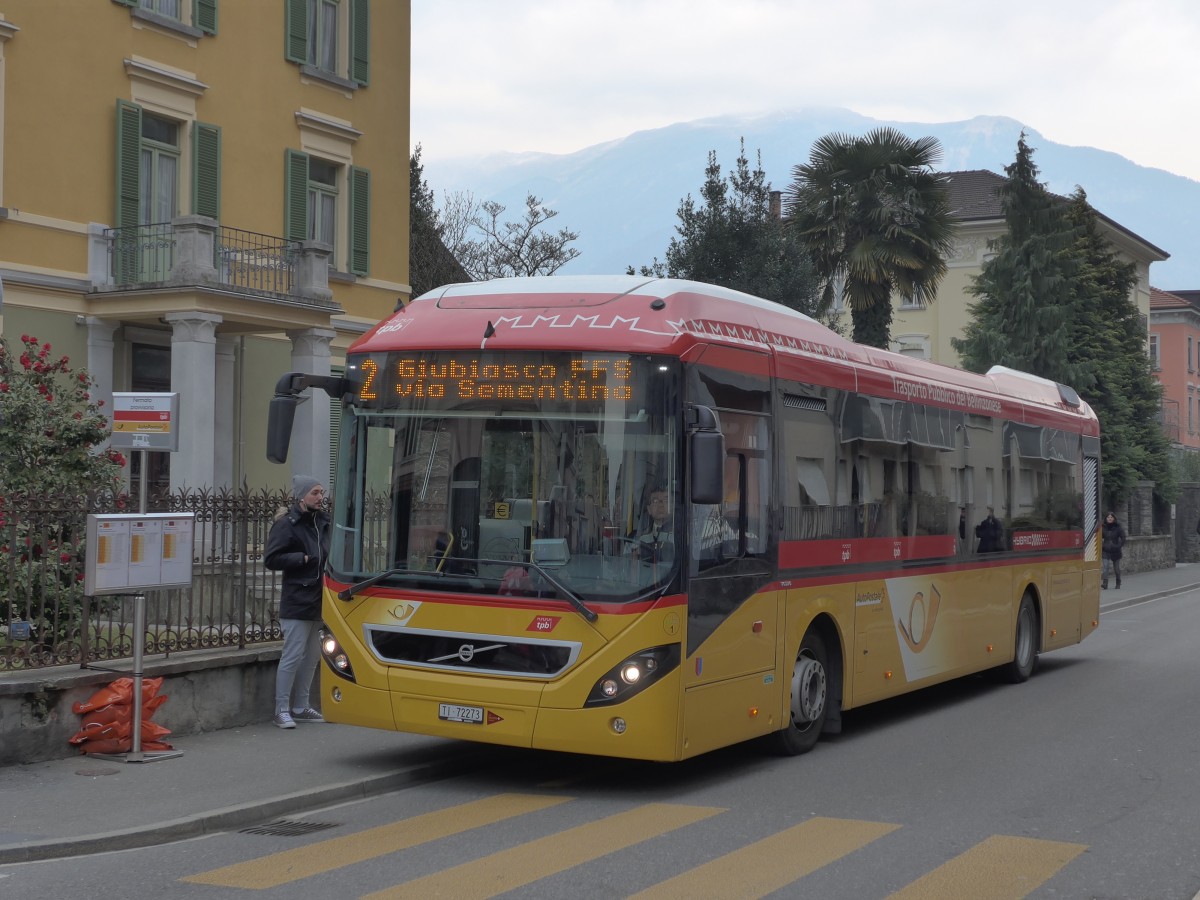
[1146,598]
[233,817]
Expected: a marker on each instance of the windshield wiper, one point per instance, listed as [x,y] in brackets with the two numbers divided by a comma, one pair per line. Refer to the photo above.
[347,593]
[574,599]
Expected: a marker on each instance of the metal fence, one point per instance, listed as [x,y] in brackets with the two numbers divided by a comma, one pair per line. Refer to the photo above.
[254,263]
[257,263]
[45,619]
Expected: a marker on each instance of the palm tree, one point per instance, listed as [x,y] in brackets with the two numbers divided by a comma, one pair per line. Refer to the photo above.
[876,219]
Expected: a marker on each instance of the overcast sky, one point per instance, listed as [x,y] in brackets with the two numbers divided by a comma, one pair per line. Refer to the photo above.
[556,76]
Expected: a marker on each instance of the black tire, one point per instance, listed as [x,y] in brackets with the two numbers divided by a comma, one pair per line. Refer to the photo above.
[1026,643]
[808,703]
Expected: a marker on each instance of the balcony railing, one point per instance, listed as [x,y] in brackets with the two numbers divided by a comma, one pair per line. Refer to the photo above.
[194,250]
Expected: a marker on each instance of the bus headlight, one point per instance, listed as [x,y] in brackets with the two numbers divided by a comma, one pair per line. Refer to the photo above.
[633,675]
[333,654]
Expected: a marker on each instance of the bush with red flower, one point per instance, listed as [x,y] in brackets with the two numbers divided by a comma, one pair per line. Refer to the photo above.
[52,466]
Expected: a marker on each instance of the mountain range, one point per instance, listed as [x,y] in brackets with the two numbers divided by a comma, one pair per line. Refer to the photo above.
[622,196]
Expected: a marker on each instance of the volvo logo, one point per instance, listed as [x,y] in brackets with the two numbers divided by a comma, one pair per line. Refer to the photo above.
[466,653]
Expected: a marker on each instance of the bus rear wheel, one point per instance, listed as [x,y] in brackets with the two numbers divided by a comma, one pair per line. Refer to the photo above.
[1025,644]
[809,703]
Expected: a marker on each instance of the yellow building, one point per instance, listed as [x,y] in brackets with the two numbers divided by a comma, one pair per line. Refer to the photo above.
[925,332]
[197,196]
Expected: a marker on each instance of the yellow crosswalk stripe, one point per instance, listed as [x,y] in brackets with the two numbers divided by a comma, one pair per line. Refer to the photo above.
[999,868]
[510,869]
[325,856]
[772,863]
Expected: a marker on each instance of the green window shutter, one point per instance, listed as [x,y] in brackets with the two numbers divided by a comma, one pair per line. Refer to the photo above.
[295,32]
[360,221]
[360,41]
[295,193]
[206,171]
[127,2]
[204,15]
[129,140]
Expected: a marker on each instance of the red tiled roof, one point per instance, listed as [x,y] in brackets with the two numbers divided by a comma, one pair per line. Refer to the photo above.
[1160,299]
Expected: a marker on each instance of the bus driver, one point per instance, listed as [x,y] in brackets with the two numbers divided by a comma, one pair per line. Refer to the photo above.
[656,543]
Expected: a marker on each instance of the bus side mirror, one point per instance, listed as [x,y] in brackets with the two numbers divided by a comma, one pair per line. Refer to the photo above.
[281,413]
[706,456]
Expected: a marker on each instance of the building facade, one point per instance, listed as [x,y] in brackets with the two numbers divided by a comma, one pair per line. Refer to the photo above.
[926,332]
[1175,354]
[221,199]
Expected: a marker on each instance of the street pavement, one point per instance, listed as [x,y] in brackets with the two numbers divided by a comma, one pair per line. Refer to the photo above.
[236,777]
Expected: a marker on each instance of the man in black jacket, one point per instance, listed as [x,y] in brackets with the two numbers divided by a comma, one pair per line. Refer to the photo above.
[298,546]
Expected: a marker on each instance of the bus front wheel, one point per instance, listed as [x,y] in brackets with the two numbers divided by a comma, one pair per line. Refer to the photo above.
[1025,649]
[809,702]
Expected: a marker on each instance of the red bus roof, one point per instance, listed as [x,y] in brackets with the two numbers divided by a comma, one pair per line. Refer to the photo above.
[636,314]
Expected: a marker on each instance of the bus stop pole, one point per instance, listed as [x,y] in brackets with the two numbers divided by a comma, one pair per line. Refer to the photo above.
[139,633]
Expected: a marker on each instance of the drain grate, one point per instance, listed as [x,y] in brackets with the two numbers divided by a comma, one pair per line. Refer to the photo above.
[288,827]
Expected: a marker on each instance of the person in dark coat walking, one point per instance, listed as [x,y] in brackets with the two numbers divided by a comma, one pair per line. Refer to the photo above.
[1113,537]
[298,546]
[990,533]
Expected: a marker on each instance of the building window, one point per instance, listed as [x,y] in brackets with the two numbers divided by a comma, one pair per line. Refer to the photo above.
[1154,352]
[158,171]
[1191,368]
[150,167]
[150,372]
[322,34]
[319,197]
[322,203]
[329,38]
[193,17]
[168,8]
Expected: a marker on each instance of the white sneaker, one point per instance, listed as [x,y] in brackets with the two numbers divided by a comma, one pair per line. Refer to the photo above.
[284,720]
[308,714]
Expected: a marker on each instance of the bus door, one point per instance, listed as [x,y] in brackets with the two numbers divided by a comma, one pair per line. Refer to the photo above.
[732,625]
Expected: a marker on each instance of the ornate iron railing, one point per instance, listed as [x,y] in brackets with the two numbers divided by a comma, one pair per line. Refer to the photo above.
[45,620]
[144,255]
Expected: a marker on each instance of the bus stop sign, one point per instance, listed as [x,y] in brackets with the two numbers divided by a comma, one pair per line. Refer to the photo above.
[145,421]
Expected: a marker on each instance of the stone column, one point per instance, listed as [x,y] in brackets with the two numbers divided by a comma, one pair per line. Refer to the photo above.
[226,409]
[309,453]
[194,254]
[100,360]
[193,377]
[312,272]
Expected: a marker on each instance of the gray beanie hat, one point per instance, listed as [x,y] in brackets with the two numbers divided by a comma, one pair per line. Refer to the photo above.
[302,484]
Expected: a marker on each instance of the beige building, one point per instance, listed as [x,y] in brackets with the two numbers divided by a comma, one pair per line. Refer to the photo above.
[926,332]
[198,196]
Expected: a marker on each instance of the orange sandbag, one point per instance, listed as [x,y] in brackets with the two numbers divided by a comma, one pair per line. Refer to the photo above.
[94,733]
[122,745]
[118,712]
[119,692]
[119,730]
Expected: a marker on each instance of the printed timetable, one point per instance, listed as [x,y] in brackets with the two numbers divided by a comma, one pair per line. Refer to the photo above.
[132,552]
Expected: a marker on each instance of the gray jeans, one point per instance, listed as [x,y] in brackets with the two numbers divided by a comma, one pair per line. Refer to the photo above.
[1111,566]
[297,664]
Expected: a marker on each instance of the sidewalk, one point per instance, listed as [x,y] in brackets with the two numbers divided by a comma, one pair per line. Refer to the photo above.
[229,779]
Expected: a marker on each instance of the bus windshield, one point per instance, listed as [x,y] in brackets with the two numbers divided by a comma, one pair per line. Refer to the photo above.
[540,474]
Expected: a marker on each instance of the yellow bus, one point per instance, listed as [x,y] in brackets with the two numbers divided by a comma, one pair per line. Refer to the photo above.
[648,518]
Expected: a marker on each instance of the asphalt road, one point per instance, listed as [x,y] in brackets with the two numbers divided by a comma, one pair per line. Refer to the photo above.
[1081,783]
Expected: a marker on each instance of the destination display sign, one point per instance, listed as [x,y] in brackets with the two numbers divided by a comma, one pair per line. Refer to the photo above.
[393,379]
